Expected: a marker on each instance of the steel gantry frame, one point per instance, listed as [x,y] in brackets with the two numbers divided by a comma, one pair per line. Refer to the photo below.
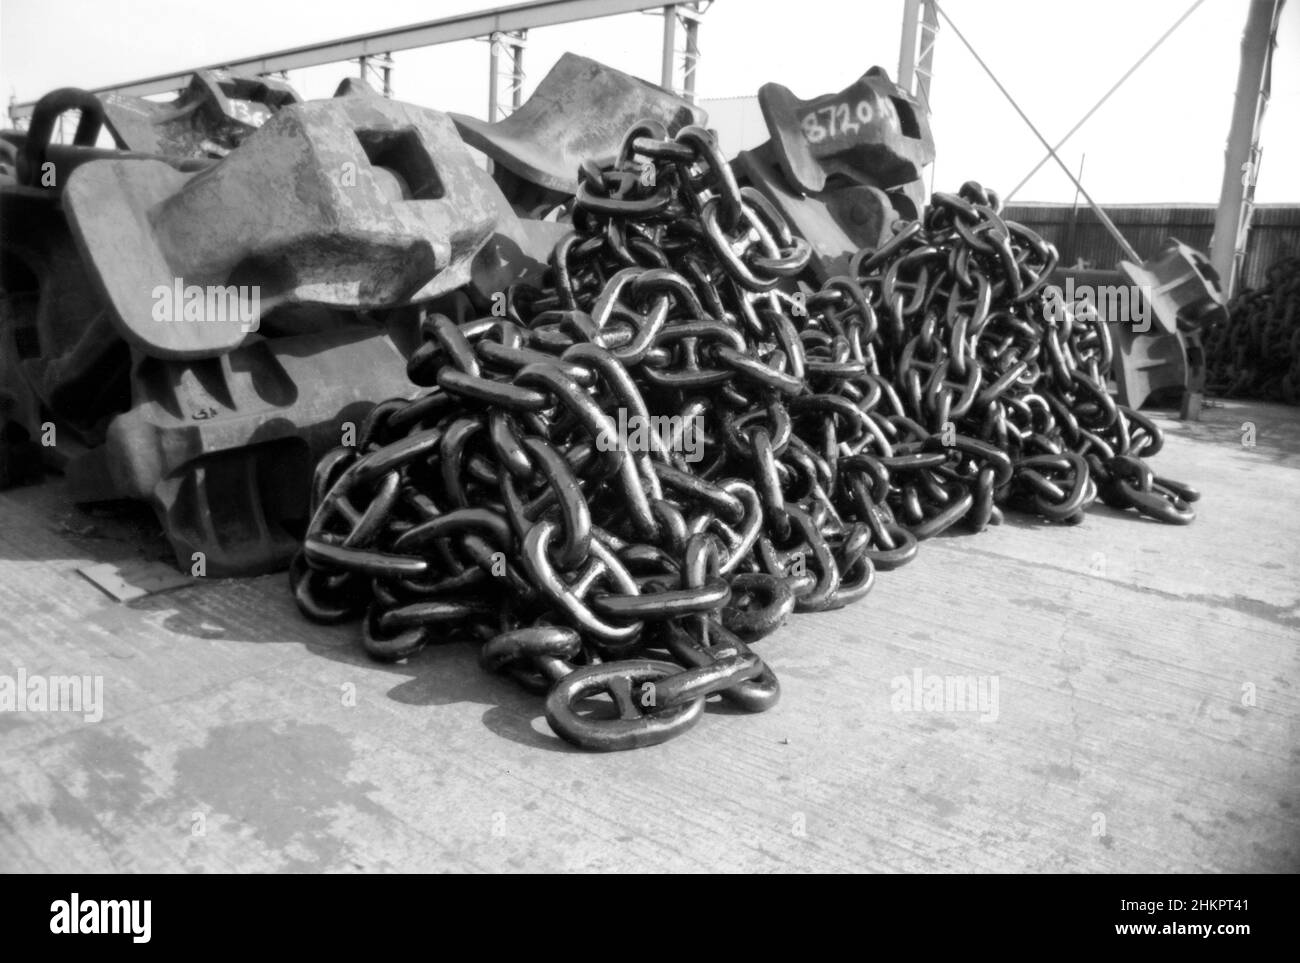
[502,26]
[1242,154]
[511,43]
[916,53]
[372,64]
[688,14]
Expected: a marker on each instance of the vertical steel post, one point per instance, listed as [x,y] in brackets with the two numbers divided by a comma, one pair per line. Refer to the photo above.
[494,41]
[515,41]
[517,76]
[916,53]
[1071,231]
[666,65]
[907,47]
[916,49]
[1232,222]
[692,58]
[925,64]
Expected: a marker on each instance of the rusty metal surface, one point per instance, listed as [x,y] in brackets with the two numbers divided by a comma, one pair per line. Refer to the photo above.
[32,159]
[223,447]
[350,202]
[579,111]
[842,167]
[519,249]
[1186,299]
[63,367]
[355,87]
[872,132]
[60,356]
[333,212]
[211,116]
[1183,286]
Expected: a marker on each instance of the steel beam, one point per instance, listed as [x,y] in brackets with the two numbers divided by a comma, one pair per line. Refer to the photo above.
[668,63]
[1241,158]
[377,65]
[916,60]
[907,43]
[689,14]
[521,16]
[925,68]
[692,58]
[514,44]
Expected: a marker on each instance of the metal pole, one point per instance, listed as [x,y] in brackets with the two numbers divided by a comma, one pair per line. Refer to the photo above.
[1230,224]
[517,78]
[493,65]
[666,70]
[907,48]
[692,58]
[1072,231]
[925,66]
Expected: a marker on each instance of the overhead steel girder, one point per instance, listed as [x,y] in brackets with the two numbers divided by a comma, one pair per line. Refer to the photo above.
[520,16]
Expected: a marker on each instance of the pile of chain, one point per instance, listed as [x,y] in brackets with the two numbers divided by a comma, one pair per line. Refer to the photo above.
[1256,353]
[804,440]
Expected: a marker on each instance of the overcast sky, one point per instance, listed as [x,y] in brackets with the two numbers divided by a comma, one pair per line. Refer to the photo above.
[1160,139]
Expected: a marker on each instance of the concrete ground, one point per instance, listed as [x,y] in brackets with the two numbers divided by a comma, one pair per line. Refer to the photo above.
[1145,717]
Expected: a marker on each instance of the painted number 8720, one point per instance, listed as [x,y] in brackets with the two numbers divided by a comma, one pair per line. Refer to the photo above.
[836,120]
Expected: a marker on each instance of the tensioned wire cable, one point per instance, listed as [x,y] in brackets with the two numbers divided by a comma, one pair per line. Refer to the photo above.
[1128,249]
[1105,97]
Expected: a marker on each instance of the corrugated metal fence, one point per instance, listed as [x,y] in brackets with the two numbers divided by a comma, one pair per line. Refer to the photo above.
[1274,232]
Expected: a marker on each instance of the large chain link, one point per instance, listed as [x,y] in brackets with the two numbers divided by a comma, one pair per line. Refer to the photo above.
[809,438]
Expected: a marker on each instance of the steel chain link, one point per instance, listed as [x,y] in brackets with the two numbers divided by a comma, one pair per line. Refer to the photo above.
[813,437]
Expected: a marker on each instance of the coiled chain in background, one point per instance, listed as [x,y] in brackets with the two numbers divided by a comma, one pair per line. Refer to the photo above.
[1255,353]
[819,435]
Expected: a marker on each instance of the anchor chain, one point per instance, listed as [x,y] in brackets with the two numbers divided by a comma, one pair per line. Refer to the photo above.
[785,443]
